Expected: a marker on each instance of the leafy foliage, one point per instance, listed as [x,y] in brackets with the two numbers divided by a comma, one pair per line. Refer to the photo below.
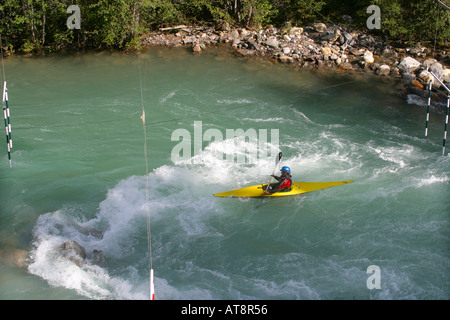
[37,25]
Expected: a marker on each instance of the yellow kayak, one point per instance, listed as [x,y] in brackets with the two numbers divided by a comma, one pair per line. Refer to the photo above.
[297,188]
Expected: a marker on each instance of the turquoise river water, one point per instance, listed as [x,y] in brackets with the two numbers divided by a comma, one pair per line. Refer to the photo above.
[79,174]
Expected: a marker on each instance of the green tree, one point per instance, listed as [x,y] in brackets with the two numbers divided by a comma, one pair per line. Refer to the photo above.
[407,20]
[297,12]
[35,25]
[414,20]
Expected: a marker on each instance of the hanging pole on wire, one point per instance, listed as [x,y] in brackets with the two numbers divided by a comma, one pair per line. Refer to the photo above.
[446,124]
[6,115]
[428,108]
[448,102]
[149,236]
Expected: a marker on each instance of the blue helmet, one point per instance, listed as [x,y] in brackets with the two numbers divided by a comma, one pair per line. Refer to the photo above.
[286,169]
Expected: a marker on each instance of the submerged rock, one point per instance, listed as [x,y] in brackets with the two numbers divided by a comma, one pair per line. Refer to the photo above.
[76,253]
[13,257]
[73,251]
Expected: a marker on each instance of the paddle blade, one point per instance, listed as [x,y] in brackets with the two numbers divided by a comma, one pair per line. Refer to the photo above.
[278,158]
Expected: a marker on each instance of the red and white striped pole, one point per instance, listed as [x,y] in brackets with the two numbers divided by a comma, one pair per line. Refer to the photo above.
[152,286]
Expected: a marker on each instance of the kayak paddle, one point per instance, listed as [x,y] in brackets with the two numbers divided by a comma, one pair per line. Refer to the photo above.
[277,159]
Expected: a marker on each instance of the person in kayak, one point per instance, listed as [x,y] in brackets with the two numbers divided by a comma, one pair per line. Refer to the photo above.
[284,182]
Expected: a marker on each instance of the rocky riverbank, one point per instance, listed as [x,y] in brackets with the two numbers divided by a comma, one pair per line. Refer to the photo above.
[320,46]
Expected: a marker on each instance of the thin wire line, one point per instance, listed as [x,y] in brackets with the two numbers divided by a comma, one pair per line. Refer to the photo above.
[149,238]
[1,53]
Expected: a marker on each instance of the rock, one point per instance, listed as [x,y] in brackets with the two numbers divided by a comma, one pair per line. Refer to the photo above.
[357,52]
[368,57]
[437,70]
[286,59]
[296,31]
[236,43]
[447,80]
[244,32]
[347,38]
[346,66]
[188,40]
[395,73]
[425,76]
[197,48]
[383,70]
[252,44]
[319,26]
[429,62]
[233,35]
[271,29]
[330,36]
[246,52]
[408,64]
[417,84]
[73,251]
[13,257]
[326,51]
[272,42]
[367,41]
[374,66]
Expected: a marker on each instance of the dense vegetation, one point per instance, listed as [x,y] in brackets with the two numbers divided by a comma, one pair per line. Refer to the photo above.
[41,25]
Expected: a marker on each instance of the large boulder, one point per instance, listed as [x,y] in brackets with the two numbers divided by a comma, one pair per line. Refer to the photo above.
[408,65]
[426,77]
[437,70]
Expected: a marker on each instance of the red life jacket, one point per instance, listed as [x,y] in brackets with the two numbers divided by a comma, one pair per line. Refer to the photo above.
[285,184]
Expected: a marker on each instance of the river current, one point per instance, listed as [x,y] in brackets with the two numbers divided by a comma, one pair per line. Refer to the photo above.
[79,174]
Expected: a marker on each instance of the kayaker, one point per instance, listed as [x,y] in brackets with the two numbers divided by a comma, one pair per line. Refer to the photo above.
[284,182]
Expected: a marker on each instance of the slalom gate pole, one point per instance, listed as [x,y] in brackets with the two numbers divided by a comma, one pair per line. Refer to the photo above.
[446,124]
[152,286]
[428,108]
[7,122]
